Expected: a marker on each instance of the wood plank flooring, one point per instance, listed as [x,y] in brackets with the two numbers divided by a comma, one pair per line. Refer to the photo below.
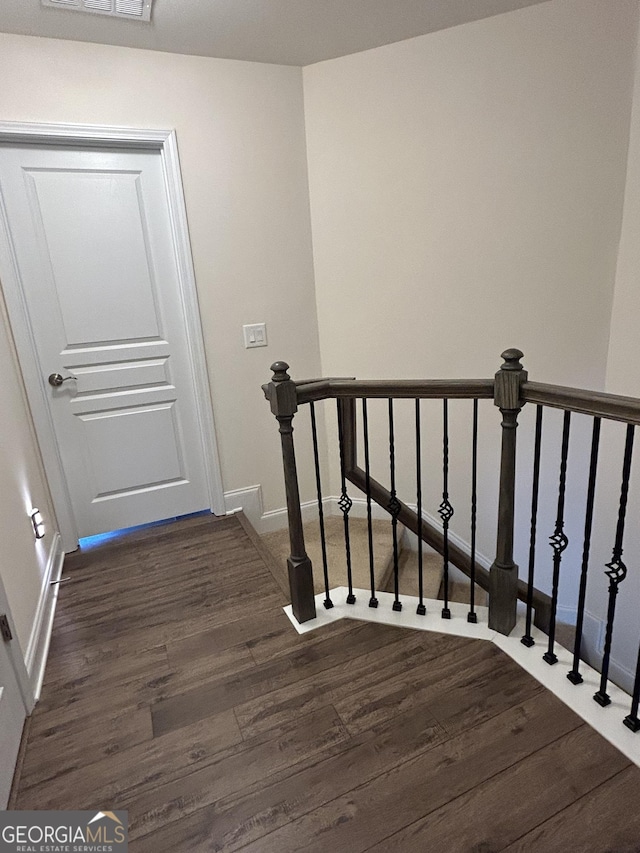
[177,689]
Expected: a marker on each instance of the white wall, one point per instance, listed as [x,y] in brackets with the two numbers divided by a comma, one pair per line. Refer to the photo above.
[466,192]
[623,377]
[466,195]
[623,373]
[240,130]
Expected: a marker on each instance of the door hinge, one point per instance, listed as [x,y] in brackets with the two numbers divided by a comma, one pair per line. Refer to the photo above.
[5,630]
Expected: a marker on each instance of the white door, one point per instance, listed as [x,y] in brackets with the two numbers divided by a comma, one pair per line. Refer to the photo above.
[92,239]
[12,717]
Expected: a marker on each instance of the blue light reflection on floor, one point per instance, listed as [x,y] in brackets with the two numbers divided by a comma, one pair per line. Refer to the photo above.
[88,542]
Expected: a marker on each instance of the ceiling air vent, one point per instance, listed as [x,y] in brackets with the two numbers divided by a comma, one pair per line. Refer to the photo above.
[134,10]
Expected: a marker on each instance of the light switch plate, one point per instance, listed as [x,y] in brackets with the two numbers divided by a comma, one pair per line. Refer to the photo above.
[255,335]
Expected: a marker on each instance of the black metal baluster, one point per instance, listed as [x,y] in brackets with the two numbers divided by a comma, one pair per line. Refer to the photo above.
[528,640]
[558,541]
[373,601]
[421,609]
[314,432]
[574,676]
[471,615]
[445,510]
[394,509]
[632,722]
[617,569]
[345,503]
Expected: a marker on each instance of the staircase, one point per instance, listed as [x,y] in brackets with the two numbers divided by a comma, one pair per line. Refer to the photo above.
[277,543]
[378,445]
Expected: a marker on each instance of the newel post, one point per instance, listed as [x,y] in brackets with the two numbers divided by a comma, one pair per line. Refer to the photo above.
[503,579]
[281,393]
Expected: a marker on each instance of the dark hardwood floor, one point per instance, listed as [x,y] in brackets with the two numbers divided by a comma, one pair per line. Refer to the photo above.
[177,689]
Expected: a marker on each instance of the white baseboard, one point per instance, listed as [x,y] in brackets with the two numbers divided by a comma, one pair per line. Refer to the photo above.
[38,647]
[621,675]
[593,629]
[593,634]
[567,615]
[249,501]
[458,541]
[277,519]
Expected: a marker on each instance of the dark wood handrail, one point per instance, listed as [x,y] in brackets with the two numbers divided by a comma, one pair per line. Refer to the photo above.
[397,388]
[598,403]
[299,382]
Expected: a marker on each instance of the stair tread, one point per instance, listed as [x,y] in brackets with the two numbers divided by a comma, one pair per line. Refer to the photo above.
[278,543]
[408,574]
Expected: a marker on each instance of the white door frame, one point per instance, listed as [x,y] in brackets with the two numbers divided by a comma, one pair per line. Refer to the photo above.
[165,142]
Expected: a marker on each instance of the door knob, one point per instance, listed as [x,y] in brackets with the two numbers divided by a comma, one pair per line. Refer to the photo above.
[56,379]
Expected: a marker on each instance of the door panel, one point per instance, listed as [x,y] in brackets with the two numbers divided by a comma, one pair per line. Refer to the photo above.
[102,211]
[138,465]
[93,240]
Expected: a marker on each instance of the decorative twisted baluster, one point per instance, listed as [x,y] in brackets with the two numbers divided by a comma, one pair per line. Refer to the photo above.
[617,571]
[373,601]
[445,510]
[394,509]
[528,640]
[323,542]
[558,540]
[421,609]
[345,503]
[471,615]
[574,676]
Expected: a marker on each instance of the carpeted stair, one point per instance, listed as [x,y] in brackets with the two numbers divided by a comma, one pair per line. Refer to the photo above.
[277,543]
[277,546]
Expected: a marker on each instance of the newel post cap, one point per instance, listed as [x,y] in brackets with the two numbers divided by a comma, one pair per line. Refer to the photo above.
[279,369]
[281,391]
[506,389]
[512,358]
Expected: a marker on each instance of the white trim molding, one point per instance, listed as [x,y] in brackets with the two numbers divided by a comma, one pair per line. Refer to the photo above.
[249,501]
[20,133]
[38,648]
[189,295]
[96,136]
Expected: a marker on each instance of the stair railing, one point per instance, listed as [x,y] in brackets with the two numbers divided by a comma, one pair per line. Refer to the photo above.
[598,406]
[285,395]
[510,390]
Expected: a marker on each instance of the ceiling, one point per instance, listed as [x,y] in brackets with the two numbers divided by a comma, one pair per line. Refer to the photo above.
[286,32]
